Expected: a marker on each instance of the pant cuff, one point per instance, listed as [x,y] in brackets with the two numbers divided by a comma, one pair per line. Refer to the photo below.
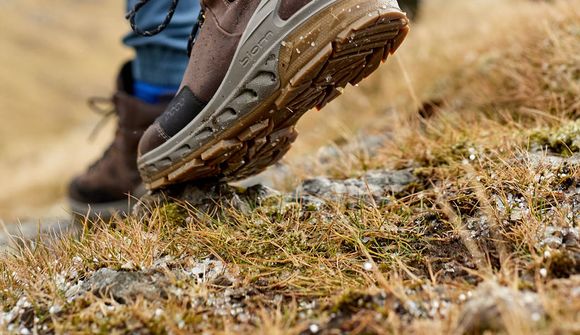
[159,65]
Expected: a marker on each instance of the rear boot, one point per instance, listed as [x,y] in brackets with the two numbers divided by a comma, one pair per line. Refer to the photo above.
[112,181]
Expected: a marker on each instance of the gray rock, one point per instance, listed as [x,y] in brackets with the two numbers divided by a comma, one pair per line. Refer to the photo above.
[556,237]
[208,199]
[538,157]
[126,286]
[478,226]
[362,145]
[215,199]
[311,203]
[375,185]
[153,283]
[490,302]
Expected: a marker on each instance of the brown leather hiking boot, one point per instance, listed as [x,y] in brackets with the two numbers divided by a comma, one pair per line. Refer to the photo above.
[108,184]
[255,69]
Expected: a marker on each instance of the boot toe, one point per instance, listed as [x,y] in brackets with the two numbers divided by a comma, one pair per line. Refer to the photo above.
[85,191]
[75,190]
[153,137]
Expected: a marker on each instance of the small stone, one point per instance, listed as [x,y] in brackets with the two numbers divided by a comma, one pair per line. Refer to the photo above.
[370,187]
[483,312]
[55,309]
[314,328]
[125,286]
[543,272]
[368,266]
[128,266]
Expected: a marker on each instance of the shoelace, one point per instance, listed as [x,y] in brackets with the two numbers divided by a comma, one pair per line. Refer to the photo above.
[132,17]
[97,105]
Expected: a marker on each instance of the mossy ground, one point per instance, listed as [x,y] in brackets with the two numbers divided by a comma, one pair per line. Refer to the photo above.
[496,201]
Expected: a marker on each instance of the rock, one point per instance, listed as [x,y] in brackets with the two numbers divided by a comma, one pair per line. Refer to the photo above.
[556,237]
[125,286]
[362,145]
[478,226]
[311,203]
[21,315]
[150,284]
[538,157]
[208,199]
[375,185]
[490,302]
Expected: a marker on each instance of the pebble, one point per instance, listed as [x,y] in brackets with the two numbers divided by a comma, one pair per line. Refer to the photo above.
[368,266]
[314,328]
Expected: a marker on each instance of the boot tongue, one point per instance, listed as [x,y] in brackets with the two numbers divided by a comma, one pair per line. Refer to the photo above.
[125,78]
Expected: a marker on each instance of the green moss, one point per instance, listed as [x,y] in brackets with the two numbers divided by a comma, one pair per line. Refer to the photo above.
[564,140]
[173,213]
[449,154]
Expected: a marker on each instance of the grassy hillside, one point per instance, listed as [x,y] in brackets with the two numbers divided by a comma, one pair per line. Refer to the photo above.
[463,218]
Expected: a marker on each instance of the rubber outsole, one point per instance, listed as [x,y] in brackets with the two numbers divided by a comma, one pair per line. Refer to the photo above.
[106,210]
[348,56]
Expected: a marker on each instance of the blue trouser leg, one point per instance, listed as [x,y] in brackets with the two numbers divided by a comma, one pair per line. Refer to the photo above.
[161,59]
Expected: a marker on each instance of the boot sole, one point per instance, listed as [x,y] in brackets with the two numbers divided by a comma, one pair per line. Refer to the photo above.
[106,210]
[342,43]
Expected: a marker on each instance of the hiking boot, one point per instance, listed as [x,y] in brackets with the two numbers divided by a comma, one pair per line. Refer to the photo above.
[255,69]
[411,8]
[107,186]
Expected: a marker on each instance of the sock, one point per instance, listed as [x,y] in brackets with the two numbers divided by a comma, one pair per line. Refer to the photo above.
[151,93]
[157,71]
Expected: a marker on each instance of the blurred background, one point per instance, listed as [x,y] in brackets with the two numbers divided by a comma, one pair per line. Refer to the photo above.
[55,55]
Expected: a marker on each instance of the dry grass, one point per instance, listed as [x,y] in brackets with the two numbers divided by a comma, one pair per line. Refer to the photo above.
[479,223]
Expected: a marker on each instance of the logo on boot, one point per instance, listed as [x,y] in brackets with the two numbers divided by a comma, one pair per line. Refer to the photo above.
[255,50]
